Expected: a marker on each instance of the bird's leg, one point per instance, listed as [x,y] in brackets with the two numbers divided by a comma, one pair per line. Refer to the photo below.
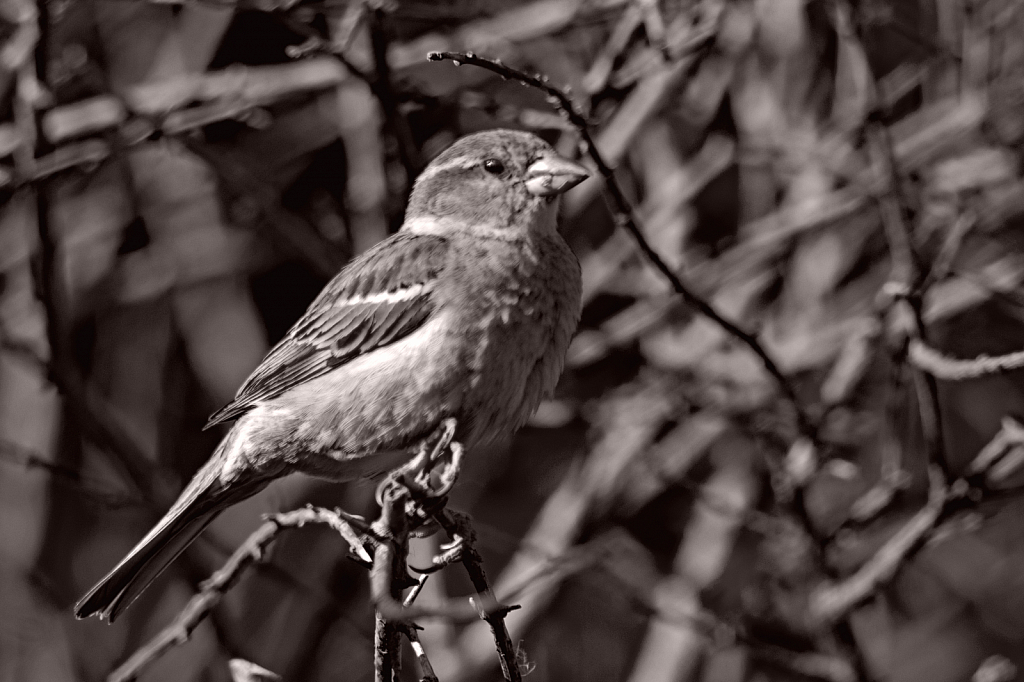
[435,480]
[416,474]
[450,472]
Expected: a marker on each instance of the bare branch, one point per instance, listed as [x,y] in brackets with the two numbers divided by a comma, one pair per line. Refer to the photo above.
[940,366]
[247,671]
[18,455]
[216,586]
[457,526]
[905,286]
[386,650]
[1002,456]
[625,215]
[832,601]
[426,669]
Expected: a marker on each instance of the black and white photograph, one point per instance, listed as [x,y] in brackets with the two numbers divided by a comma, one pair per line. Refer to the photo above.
[481,341]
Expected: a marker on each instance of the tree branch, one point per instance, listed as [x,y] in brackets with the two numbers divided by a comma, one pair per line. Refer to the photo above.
[833,601]
[940,366]
[213,589]
[905,287]
[457,526]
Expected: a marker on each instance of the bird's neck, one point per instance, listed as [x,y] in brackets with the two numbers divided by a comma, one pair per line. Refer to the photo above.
[541,224]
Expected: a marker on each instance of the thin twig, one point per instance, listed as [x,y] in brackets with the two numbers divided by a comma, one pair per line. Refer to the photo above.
[385,649]
[383,89]
[457,526]
[1010,435]
[906,287]
[404,508]
[247,671]
[389,570]
[950,247]
[216,586]
[44,270]
[832,601]
[625,215]
[940,366]
[426,669]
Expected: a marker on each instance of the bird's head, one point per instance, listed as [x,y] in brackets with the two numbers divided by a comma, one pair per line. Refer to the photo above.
[502,183]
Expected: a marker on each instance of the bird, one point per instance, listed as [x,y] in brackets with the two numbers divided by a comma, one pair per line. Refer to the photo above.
[465,314]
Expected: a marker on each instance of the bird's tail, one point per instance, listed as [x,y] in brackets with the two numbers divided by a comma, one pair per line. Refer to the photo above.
[200,502]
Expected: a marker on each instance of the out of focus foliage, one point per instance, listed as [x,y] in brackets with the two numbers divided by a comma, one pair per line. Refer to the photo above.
[841,178]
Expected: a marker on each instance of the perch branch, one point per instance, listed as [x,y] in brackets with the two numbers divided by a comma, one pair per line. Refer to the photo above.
[626,218]
[426,669]
[457,526]
[386,650]
[408,500]
[389,571]
[214,588]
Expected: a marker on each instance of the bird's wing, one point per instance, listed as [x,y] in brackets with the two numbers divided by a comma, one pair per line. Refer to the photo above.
[375,300]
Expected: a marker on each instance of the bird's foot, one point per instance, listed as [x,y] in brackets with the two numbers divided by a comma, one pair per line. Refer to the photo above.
[445,435]
[418,474]
[429,476]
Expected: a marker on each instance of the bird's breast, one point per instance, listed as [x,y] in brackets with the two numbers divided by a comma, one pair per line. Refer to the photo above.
[518,317]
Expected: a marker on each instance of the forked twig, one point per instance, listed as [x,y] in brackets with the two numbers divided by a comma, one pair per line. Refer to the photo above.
[457,526]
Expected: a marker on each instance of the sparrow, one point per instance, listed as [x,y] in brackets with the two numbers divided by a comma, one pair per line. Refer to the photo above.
[465,313]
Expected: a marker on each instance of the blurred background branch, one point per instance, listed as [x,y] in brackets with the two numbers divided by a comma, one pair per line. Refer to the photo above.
[838,183]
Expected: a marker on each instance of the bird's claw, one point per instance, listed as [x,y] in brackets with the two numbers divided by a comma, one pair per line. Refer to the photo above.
[451,552]
[445,434]
[417,475]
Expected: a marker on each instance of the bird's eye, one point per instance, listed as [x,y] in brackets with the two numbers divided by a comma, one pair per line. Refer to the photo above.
[494,167]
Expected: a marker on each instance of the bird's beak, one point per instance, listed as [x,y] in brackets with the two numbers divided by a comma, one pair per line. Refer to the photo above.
[551,175]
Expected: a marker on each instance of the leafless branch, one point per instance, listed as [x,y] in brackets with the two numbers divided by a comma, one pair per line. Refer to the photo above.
[386,649]
[904,287]
[458,526]
[832,601]
[213,589]
[247,671]
[426,669]
[1001,456]
[384,90]
[940,366]
[408,501]
[625,215]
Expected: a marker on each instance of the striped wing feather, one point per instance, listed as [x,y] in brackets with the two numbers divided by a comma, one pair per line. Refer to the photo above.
[378,298]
